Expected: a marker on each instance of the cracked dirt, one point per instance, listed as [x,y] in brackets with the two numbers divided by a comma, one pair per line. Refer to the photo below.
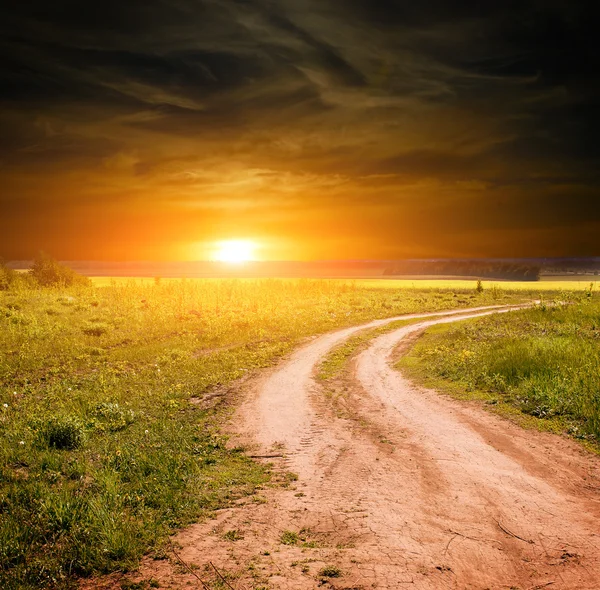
[397,486]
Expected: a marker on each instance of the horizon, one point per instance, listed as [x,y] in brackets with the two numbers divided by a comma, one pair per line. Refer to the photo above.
[318,260]
[503,269]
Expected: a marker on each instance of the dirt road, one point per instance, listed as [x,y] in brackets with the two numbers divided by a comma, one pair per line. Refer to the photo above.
[398,487]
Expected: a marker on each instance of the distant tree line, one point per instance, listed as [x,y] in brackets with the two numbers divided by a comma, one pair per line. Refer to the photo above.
[490,269]
[573,266]
[44,272]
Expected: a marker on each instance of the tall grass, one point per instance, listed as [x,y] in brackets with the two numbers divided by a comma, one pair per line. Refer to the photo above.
[108,439]
[544,361]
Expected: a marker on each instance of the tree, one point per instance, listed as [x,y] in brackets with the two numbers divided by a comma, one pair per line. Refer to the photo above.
[48,272]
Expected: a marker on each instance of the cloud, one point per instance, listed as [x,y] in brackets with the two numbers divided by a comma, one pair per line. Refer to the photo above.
[353,120]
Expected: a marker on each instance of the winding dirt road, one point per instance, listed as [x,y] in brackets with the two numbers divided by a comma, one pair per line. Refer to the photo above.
[399,487]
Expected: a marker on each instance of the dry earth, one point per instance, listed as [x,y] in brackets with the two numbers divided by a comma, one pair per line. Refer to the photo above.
[397,487]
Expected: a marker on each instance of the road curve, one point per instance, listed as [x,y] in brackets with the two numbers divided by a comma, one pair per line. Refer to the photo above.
[458,499]
[283,414]
[398,487]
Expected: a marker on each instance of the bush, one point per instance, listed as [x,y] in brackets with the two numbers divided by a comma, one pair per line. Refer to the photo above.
[63,433]
[48,272]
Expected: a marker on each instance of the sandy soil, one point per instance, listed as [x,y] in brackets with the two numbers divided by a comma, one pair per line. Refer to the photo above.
[397,487]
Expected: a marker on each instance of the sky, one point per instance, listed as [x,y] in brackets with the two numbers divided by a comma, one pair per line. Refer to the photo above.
[320,129]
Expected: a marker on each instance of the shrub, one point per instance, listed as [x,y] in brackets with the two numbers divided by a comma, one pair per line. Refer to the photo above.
[64,433]
[48,272]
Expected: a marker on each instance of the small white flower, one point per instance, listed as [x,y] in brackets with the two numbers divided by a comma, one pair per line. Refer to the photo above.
[14,393]
[21,442]
[145,432]
[70,389]
[5,405]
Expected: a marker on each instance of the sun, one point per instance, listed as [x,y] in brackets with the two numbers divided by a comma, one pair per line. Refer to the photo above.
[235,251]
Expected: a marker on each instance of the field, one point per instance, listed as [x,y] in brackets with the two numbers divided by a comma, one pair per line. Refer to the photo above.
[541,365]
[568,284]
[112,399]
[391,480]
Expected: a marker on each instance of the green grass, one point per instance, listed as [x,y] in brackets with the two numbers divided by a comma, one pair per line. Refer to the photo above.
[289,538]
[541,363]
[335,362]
[108,439]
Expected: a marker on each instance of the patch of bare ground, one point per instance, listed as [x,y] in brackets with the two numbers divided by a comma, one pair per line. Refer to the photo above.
[397,487]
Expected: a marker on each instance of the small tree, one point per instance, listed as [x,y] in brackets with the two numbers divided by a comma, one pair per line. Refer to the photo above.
[48,272]
[479,287]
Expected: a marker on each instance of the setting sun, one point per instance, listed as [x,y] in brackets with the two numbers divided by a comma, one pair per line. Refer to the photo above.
[235,251]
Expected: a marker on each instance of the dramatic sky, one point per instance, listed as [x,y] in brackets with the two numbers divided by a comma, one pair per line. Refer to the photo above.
[148,129]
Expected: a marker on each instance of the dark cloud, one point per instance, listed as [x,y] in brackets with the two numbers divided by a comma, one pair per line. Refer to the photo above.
[311,114]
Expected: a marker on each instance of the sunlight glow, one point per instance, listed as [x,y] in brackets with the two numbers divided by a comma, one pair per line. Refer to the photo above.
[235,251]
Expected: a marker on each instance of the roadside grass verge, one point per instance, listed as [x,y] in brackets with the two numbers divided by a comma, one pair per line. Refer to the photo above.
[540,366]
[112,398]
[335,362]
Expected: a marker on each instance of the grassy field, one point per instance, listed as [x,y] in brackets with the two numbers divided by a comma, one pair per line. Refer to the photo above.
[534,287]
[541,364]
[112,398]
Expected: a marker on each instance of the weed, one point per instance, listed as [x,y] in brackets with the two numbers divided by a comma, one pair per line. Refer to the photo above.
[330,571]
[289,538]
[233,535]
[62,433]
[111,416]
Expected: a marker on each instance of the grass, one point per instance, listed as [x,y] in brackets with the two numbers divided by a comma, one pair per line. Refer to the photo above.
[289,538]
[330,571]
[541,286]
[456,285]
[335,362]
[542,364]
[301,538]
[111,403]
